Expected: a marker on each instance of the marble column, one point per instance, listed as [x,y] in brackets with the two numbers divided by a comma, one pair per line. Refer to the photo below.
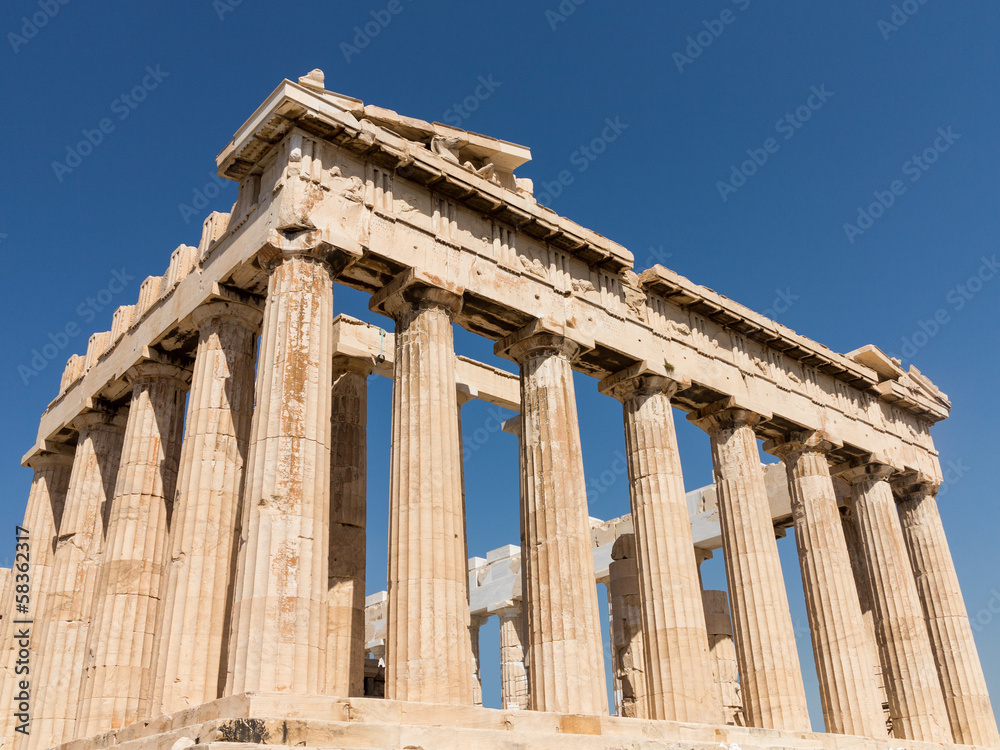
[345,651]
[30,580]
[855,551]
[677,661]
[513,677]
[512,426]
[916,704]
[770,677]
[616,671]
[963,683]
[477,623]
[850,702]
[565,652]
[279,633]
[725,669]
[46,503]
[65,624]
[123,621]
[627,636]
[192,633]
[428,644]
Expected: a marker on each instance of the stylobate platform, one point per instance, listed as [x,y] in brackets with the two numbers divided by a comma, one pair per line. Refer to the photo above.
[279,720]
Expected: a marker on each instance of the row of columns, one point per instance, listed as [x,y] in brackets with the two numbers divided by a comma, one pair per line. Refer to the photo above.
[160,637]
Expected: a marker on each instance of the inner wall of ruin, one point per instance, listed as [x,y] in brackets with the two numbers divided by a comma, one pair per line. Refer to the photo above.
[207,580]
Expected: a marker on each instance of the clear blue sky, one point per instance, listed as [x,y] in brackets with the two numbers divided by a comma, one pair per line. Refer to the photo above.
[688,113]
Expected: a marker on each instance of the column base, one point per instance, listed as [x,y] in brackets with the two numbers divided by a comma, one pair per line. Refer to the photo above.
[319,722]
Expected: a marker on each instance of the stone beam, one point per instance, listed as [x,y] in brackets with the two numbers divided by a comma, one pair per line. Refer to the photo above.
[398,203]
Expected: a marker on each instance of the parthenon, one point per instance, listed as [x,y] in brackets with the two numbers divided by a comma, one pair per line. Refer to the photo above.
[197,517]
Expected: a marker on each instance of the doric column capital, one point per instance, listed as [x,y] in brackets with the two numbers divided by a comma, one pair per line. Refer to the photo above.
[913,486]
[56,456]
[342,363]
[149,370]
[642,378]
[868,469]
[247,314]
[101,415]
[507,609]
[416,290]
[624,548]
[314,245]
[543,337]
[794,444]
[726,414]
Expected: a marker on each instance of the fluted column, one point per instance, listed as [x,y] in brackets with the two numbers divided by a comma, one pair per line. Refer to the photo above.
[847,693]
[513,677]
[44,511]
[120,640]
[512,426]
[193,627]
[566,657]
[62,633]
[345,652]
[770,677]
[30,581]
[859,568]
[916,704]
[279,633]
[725,669]
[428,644]
[677,661]
[963,683]
[477,622]
[627,636]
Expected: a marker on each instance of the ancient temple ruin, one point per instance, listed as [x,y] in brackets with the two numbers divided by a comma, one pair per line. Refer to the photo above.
[197,573]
